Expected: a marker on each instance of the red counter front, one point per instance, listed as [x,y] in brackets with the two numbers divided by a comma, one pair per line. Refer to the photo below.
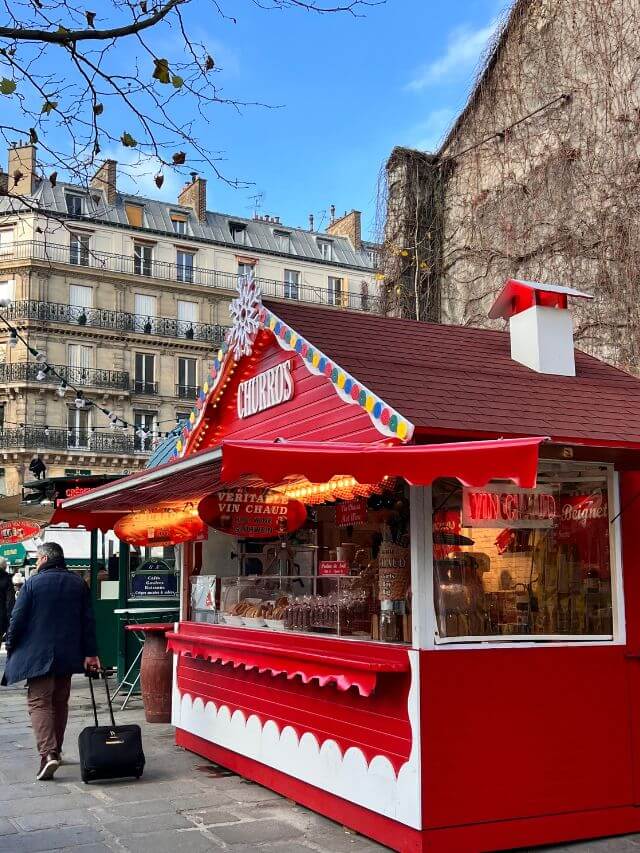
[331,717]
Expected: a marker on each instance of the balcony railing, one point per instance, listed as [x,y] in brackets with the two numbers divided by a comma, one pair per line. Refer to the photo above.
[33,438]
[186,392]
[128,265]
[120,321]
[141,386]
[23,371]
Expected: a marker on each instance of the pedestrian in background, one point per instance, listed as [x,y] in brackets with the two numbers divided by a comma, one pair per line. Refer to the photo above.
[7,597]
[52,634]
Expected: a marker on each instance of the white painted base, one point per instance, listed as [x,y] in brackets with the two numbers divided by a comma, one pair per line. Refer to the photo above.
[374,786]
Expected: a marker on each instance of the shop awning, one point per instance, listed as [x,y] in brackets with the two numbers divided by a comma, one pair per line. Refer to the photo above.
[474,463]
[85,518]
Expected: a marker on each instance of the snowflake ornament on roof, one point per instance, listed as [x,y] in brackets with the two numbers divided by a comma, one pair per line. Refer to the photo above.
[245,311]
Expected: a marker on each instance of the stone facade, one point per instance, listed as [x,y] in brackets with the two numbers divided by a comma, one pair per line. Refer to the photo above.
[539,177]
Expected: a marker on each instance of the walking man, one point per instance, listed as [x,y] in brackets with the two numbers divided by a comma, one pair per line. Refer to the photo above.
[7,597]
[52,634]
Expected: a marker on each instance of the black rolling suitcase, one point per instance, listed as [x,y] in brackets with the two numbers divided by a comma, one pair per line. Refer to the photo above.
[109,752]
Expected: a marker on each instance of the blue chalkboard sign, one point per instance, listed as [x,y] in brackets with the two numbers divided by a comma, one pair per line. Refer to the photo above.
[154,579]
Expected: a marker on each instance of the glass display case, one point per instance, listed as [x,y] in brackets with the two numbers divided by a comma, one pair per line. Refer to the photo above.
[338,605]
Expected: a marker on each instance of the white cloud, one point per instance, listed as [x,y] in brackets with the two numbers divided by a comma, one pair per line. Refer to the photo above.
[136,174]
[464,49]
[428,134]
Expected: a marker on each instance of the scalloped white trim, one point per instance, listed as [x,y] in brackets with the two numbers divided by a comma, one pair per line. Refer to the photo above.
[374,786]
[346,398]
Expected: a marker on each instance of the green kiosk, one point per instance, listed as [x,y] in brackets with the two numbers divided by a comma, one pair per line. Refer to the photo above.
[129,586]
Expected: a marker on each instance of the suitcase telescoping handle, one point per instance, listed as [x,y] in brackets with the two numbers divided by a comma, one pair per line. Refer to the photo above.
[105,673]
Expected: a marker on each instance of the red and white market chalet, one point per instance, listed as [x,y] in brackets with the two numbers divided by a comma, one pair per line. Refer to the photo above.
[441,650]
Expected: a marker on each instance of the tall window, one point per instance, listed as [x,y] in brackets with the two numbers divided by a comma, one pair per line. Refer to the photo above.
[3,482]
[146,421]
[245,269]
[75,204]
[187,384]
[7,289]
[283,241]
[325,248]
[79,249]
[6,242]
[187,311]
[179,222]
[145,373]
[238,233]
[80,360]
[146,309]
[142,258]
[335,290]
[1,415]
[78,428]
[81,295]
[185,266]
[291,284]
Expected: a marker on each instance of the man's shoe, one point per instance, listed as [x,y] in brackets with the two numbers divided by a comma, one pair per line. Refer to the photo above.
[48,767]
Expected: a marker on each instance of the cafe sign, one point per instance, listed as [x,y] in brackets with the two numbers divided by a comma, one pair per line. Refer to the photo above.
[508,506]
[267,389]
[252,513]
[18,530]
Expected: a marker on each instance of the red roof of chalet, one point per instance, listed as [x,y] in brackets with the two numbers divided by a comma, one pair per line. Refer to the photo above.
[456,379]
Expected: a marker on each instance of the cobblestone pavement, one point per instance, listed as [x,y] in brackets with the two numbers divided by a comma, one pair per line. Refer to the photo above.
[182,803]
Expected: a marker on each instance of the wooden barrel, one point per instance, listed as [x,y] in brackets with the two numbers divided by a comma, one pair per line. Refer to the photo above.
[156,670]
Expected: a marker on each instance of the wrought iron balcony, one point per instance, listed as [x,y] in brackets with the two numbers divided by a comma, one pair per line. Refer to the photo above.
[90,441]
[23,371]
[119,321]
[55,253]
[186,392]
[141,386]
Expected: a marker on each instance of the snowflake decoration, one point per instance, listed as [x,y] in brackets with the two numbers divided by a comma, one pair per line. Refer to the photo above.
[245,311]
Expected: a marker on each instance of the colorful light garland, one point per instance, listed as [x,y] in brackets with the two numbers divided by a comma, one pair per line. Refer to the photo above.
[239,342]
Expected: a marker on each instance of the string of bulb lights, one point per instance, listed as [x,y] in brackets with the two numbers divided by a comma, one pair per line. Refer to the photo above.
[81,402]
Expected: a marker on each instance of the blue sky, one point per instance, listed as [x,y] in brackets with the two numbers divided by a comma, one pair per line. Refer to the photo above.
[350,89]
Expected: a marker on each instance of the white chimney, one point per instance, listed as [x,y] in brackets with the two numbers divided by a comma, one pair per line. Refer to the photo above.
[540,325]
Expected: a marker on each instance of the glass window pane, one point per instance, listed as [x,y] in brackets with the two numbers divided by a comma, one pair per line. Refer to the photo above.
[511,562]
[81,295]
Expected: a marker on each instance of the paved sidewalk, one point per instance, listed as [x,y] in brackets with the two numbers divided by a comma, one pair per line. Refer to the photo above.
[182,803]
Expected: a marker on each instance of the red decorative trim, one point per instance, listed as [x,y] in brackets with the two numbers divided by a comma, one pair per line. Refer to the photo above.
[502,835]
[259,650]
[389,832]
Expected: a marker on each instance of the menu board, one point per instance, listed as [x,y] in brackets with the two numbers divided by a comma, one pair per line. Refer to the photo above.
[154,579]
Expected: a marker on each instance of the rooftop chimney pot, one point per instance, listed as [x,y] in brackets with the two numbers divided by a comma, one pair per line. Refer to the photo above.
[540,325]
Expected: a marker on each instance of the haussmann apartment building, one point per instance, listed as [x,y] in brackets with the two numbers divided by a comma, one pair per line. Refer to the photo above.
[128,298]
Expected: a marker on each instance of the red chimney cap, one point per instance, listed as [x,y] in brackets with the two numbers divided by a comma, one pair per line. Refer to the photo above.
[516,296]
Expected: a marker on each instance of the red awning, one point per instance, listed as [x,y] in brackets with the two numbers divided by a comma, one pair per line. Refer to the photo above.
[474,463]
[85,518]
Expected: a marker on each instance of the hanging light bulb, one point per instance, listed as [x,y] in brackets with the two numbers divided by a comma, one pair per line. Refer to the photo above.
[62,388]
[40,357]
[13,338]
[42,373]
[141,433]
[80,401]
[46,430]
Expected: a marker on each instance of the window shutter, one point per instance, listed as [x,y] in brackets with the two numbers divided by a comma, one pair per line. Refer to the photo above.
[134,214]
